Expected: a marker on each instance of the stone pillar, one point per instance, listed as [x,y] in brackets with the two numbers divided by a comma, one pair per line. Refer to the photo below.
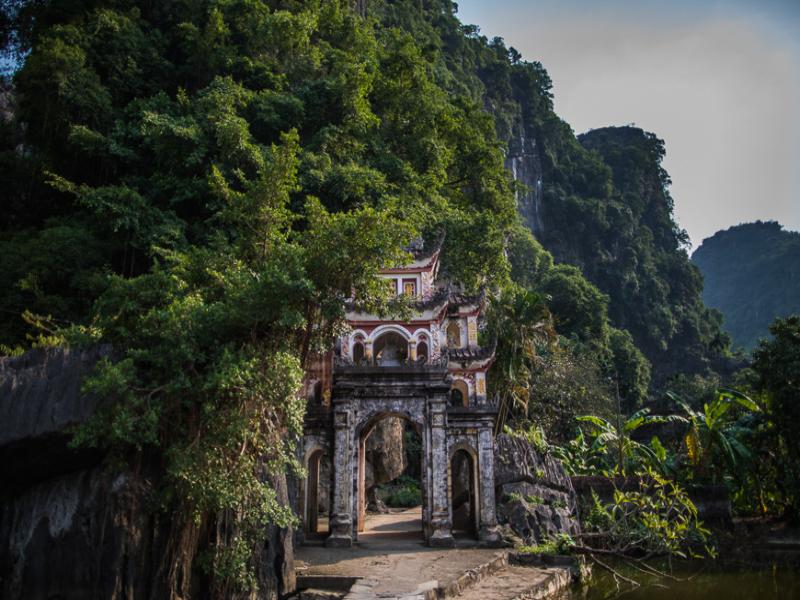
[488,531]
[368,352]
[441,525]
[341,517]
[312,495]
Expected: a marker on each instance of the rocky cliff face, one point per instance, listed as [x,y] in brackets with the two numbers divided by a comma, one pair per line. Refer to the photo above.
[69,526]
[525,164]
[535,497]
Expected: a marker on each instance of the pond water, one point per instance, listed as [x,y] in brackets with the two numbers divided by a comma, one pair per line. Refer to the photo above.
[707,580]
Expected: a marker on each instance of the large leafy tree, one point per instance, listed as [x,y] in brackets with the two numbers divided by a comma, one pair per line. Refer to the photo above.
[205,183]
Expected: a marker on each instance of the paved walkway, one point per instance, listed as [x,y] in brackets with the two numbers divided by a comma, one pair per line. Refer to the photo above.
[392,555]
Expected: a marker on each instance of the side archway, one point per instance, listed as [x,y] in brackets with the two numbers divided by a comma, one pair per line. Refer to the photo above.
[464,496]
[316,492]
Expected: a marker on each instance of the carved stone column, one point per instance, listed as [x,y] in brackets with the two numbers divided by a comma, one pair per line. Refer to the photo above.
[488,531]
[441,525]
[341,518]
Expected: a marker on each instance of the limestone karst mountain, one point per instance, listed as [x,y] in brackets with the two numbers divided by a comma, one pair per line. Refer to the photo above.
[752,275]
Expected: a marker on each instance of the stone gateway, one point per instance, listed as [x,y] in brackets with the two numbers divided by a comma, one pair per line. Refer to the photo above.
[429,370]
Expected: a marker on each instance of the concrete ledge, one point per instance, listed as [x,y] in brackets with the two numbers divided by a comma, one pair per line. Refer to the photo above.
[542,560]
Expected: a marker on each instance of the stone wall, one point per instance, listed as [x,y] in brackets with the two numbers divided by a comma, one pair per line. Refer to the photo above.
[535,497]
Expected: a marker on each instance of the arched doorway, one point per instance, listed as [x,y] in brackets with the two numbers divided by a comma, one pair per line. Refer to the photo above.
[358,352]
[423,351]
[316,494]
[390,349]
[459,393]
[464,493]
[390,502]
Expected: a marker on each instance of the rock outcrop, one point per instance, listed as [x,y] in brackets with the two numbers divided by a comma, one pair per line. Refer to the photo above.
[385,451]
[69,526]
[535,497]
[525,165]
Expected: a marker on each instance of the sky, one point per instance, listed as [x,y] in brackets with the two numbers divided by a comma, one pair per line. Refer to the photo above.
[718,81]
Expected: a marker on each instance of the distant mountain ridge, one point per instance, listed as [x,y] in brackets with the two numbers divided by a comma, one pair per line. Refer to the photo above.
[752,275]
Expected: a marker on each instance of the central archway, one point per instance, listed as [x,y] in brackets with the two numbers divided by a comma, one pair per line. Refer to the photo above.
[362,396]
[404,495]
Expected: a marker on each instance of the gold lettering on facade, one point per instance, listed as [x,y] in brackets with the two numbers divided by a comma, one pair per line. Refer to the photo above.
[472,332]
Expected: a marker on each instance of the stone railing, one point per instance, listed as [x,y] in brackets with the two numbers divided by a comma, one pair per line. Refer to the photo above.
[347,362]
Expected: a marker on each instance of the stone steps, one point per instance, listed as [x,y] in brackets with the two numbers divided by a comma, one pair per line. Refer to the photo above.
[516,582]
[493,580]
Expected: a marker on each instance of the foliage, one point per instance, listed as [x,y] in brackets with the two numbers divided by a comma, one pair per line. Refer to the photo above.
[144,100]
[560,544]
[565,383]
[580,457]
[520,321]
[713,440]
[592,350]
[534,435]
[634,251]
[751,275]
[659,518]
[777,368]
[403,492]
[611,445]
[203,184]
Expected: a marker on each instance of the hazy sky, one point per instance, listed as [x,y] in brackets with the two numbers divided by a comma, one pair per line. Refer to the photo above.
[719,81]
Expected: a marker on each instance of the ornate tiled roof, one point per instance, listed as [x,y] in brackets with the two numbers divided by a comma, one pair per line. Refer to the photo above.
[473,353]
[441,296]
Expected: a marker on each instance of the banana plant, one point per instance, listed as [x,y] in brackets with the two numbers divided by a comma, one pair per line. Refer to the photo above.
[615,439]
[579,457]
[712,441]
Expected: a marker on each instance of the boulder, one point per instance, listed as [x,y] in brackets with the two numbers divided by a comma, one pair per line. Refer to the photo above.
[385,452]
[535,497]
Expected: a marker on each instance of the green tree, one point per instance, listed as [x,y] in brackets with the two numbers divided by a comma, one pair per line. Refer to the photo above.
[520,323]
[777,366]
[207,182]
[713,444]
[614,440]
